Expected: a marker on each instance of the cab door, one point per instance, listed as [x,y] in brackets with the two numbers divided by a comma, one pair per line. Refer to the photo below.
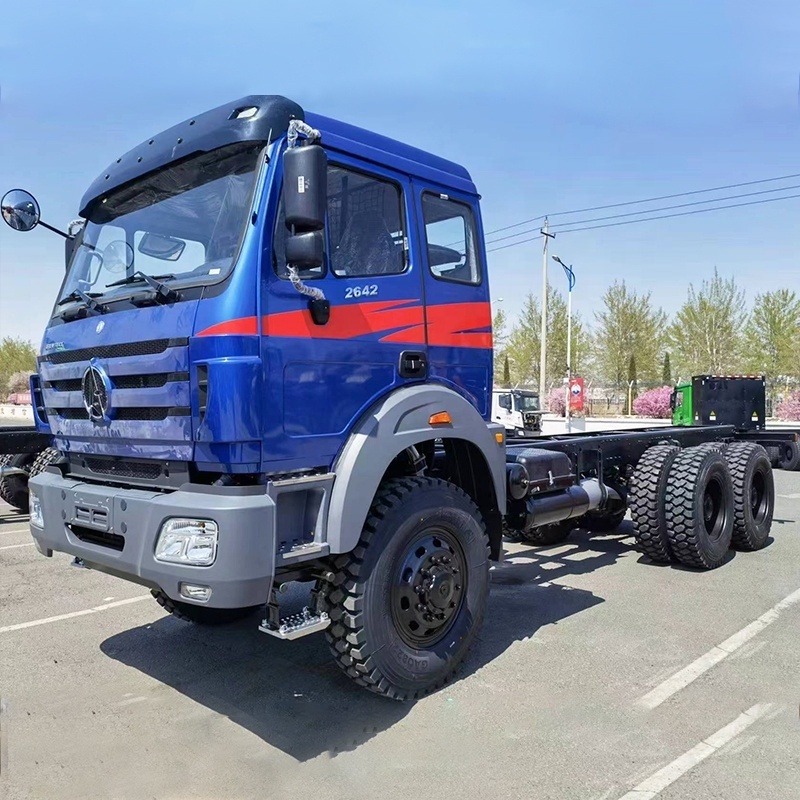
[321,378]
[457,309]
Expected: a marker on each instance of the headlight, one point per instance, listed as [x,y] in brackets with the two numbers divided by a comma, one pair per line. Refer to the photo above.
[187,541]
[35,507]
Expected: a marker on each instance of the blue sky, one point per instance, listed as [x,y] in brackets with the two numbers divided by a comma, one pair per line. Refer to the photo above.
[551,106]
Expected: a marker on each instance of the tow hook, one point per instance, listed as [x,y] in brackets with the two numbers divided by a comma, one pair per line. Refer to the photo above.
[78,562]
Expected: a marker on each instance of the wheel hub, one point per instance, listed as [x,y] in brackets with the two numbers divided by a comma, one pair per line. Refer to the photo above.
[430,587]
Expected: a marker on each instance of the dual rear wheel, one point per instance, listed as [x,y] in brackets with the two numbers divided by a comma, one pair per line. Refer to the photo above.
[693,505]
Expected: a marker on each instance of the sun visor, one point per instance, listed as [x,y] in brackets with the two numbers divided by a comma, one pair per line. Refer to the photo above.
[256,118]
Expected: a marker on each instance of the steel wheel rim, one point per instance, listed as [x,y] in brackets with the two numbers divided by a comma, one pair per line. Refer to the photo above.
[759,503]
[714,516]
[429,588]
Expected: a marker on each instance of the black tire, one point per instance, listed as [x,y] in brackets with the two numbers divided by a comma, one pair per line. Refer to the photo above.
[602,521]
[790,457]
[201,615]
[14,488]
[47,457]
[698,507]
[646,501]
[554,533]
[384,598]
[753,495]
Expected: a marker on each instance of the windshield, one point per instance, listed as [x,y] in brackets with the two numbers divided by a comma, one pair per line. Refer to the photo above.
[527,402]
[181,224]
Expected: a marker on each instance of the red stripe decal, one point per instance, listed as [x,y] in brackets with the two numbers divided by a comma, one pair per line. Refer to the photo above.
[347,321]
[244,326]
[448,325]
[460,325]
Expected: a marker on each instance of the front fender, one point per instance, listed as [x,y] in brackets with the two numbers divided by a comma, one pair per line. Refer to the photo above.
[396,422]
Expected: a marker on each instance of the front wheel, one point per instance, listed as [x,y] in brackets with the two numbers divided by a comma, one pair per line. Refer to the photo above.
[201,615]
[408,601]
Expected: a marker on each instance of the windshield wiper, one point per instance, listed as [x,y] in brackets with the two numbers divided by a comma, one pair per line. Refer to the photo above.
[163,292]
[86,298]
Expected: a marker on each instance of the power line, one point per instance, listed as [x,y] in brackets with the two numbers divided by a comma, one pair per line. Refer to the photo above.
[678,205]
[645,200]
[650,219]
[651,211]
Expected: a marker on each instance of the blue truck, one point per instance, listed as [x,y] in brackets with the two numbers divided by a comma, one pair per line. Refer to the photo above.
[270,361]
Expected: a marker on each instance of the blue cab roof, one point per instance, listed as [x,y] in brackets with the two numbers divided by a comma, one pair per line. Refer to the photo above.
[223,126]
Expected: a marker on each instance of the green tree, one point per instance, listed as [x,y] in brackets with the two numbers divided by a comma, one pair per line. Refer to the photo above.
[499,339]
[506,373]
[16,355]
[666,371]
[772,338]
[523,347]
[628,324]
[706,334]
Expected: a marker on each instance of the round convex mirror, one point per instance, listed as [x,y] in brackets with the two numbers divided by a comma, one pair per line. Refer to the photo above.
[20,210]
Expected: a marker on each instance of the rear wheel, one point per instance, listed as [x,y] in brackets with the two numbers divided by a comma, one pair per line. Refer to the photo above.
[201,615]
[408,600]
[646,501]
[753,495]
[790,456]
[602,521]
[554,533]
[699,508]
[14,488]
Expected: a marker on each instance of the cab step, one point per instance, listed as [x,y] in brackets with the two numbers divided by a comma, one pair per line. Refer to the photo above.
[297,625]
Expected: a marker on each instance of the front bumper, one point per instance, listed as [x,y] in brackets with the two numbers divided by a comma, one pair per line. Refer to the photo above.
[122,526]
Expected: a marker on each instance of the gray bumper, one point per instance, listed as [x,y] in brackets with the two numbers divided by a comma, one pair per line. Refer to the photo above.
[244,567]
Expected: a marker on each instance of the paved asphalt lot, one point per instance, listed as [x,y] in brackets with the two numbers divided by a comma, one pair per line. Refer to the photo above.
[578,688]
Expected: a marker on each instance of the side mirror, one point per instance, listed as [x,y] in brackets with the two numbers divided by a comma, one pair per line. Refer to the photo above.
[305,188]
[20,210]
[305,250]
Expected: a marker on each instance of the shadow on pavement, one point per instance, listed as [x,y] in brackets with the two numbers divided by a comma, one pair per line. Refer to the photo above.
[295,698]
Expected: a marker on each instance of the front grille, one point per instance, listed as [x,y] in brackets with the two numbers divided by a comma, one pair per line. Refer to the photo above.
[126,349]
[123,468]
[67,385]
[147,381]
[102,538]
[122,381]
[129,413]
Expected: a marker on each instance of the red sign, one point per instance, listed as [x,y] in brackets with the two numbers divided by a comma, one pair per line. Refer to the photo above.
[576,394]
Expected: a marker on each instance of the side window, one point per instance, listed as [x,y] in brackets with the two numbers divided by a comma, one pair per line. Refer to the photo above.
[505,401]
[366,231]
[451,239]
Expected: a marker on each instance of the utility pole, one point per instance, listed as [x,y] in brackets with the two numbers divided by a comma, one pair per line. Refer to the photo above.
[571,285]
[543,353]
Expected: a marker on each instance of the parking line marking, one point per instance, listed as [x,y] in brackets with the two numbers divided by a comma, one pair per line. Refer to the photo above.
[12,546]
[792,496]
[26,529]
[666,776]
[46,620]
[681,679]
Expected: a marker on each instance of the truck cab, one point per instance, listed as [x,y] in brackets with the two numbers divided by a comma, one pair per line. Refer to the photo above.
[681,404]
[266,315]
[518,410]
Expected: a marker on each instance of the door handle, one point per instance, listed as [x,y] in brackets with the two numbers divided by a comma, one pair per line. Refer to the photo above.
[413,364]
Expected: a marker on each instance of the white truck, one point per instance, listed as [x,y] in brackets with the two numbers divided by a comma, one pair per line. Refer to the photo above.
[518,410]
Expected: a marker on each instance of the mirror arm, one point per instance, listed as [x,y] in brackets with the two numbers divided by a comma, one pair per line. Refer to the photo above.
[55,230]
